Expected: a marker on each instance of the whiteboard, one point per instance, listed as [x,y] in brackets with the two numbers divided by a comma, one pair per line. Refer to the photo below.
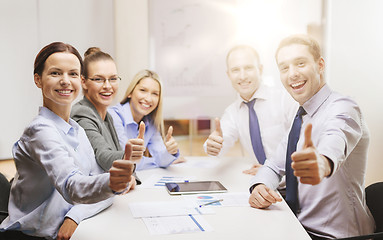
[189,40]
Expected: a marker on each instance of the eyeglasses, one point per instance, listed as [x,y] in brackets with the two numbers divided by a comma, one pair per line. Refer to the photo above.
[101,80]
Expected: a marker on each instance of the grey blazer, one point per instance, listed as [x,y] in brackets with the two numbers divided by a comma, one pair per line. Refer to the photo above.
[101,133]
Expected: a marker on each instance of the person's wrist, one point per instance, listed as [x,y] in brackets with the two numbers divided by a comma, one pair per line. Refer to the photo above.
[121,192]
[118,193]
[251,189]
[177,154]
[328,164]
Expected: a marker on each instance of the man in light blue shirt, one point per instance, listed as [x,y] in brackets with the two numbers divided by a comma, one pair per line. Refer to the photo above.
[331,154]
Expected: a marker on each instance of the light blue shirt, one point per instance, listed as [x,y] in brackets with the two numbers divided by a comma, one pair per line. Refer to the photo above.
[336,207]
[55,167]
[127,128]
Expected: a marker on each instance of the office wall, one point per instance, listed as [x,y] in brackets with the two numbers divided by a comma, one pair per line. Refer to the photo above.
[354,50]
[121,28]
[189,40]
[25,27]
[353,44]
[19,98]
[353,53]
[132,39]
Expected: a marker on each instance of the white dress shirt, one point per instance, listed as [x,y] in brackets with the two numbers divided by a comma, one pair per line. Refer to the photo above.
[275,110]
[336,207]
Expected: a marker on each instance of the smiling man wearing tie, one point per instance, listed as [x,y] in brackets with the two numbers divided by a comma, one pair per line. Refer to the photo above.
[324,156]
[259,117]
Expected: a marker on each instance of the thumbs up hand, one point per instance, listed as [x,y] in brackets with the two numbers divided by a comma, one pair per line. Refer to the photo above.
[120,178]
[138,144]
[308,164]
[141,130]
[170,142]
[215,140]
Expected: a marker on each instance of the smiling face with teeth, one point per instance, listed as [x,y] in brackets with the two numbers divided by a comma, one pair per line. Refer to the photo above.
[301,75]
[101,95]
[144,98]
[60,82]
[244,71]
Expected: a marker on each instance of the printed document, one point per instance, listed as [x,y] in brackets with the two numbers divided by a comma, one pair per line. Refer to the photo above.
[177,224]
[166,208]
[229,199]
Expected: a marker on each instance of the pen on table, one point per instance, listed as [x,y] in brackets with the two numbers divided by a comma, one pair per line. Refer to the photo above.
[205,204]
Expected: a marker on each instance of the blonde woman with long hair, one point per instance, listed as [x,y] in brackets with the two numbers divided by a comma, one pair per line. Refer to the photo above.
[143,103]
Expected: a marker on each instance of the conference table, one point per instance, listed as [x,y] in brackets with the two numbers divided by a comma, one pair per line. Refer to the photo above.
[235,222]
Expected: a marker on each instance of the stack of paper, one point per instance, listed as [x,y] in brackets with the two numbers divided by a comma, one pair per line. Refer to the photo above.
[235,199]
[171,217]
[177,224]
[156,181]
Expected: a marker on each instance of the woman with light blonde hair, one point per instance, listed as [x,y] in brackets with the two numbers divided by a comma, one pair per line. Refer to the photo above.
[143,103]
[156,114]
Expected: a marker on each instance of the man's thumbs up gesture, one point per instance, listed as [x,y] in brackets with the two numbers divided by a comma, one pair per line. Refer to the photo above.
[138,144]
[170,142]
[215,140]
[308,164]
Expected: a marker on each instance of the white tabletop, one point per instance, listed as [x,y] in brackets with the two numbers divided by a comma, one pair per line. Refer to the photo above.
[117,222]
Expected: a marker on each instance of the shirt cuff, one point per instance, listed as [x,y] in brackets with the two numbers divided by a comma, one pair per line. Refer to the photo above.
[266,176]
[334,150]
[177,154]
[121,192]
[74,218]
[252,188]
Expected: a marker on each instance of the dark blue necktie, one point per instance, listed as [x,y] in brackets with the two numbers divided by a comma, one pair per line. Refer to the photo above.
[255,133]
[291,180]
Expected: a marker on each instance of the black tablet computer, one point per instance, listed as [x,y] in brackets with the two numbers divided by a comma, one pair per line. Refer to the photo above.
[195,187]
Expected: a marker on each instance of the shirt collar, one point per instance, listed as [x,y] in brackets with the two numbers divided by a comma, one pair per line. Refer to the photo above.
[59,122]
[129,116]
[262,93]
[313,104]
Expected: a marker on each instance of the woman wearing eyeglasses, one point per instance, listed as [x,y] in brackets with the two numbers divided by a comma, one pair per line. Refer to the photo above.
[100,83]
[143,103]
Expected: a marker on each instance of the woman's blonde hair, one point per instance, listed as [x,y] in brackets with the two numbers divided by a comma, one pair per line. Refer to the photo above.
[156,114]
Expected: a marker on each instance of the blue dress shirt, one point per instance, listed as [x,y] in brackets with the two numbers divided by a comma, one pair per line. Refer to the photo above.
[127,128]
[335,207]
[55,167]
